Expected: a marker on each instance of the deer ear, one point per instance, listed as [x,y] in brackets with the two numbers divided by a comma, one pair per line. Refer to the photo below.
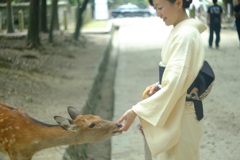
[65,123]
[73,112]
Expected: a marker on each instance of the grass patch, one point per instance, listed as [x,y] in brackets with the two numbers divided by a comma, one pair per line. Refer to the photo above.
[5,63]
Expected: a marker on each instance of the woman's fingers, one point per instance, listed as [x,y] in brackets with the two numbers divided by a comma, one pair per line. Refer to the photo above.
[149,91]
[152,90]
[125,125]
[145,93]
[121,120]
[128,118]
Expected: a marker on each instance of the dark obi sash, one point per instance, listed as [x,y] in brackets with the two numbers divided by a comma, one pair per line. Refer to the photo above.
[199,89]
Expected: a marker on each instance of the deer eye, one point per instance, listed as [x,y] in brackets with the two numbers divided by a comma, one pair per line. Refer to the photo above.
[91,125]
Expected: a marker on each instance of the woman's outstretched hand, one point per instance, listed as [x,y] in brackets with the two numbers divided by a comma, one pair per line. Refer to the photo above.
[128,118]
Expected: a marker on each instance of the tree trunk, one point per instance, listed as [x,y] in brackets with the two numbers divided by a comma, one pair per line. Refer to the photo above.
[56,19]
[10,27]
[80,10]
[225,2]
[53,20]
[43,14]
[33,39]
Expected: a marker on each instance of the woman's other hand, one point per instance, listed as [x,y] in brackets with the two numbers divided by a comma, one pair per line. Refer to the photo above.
[150,90]
[128,118]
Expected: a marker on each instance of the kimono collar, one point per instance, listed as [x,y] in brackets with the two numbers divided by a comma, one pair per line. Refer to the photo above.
[192,23]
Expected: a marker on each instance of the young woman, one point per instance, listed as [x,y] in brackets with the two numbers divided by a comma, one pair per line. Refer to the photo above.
[171,124]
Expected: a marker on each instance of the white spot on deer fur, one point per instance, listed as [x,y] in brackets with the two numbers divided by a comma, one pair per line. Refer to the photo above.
[35,141]
[8,128]
[17,127]
[12,140]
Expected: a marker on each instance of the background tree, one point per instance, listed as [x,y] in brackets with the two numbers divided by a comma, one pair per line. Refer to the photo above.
[225,2]
[53,19]
[10,27]
[43,22]
[33,40]
[56,19]
[116,3]
[80,10]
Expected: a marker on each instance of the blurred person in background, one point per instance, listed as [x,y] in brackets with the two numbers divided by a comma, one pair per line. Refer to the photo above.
[214,20]
[236,13]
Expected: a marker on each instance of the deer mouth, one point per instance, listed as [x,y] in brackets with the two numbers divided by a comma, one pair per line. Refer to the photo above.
[117,131]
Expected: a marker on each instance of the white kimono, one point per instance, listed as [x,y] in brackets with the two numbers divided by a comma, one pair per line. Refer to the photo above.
[169,122]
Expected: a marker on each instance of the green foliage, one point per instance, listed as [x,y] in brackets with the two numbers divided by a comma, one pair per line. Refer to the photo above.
[74,2]
[14,1]
[19,1]
[116,3]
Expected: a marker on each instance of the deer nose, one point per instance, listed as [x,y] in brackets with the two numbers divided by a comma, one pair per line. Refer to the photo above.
[118,125]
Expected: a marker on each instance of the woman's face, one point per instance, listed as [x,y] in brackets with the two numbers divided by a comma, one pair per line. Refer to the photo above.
[167,11]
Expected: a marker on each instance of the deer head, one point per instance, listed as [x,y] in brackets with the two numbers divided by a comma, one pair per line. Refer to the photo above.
[95,127]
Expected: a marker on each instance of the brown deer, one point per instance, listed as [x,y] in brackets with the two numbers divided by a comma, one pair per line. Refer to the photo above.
[21,136]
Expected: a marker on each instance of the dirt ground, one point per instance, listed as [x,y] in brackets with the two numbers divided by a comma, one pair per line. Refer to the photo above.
[222,129]
[43,83]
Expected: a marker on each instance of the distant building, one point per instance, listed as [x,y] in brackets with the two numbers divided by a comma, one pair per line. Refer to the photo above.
[101,10]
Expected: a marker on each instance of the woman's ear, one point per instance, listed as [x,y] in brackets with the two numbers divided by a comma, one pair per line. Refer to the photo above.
[179,3]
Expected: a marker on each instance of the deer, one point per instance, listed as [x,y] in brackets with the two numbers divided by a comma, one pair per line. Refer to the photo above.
[21,136]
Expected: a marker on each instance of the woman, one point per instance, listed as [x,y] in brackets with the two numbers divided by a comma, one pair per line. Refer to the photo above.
[170,125]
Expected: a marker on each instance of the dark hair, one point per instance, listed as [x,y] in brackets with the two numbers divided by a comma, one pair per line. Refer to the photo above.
[214,1]
[186,3]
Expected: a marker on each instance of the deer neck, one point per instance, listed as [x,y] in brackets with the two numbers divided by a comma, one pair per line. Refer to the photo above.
[55,136]
[48,136]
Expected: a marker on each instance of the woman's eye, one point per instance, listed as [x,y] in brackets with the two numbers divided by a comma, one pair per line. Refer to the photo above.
[91,125]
